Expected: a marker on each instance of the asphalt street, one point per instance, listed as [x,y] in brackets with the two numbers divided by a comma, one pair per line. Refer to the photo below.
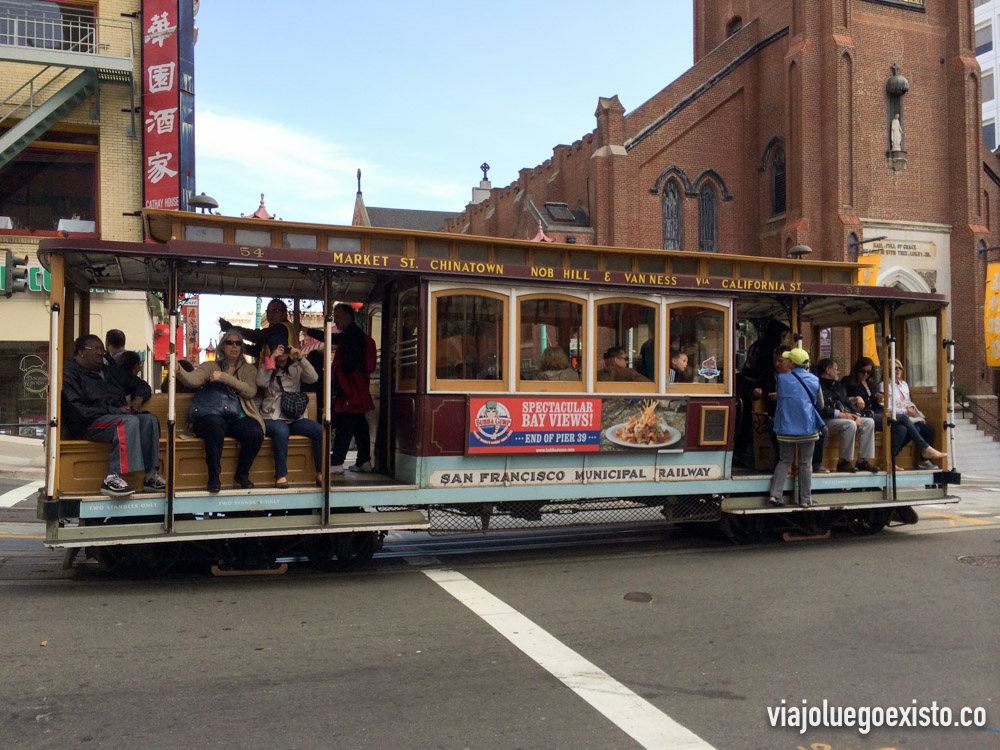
[614,640]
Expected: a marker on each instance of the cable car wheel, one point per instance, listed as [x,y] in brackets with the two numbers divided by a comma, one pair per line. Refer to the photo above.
[340,552]
[138,561]
[868,522]
[746,529]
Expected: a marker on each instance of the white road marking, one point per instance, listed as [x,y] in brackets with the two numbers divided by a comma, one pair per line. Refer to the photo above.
[12,497]
[635,716]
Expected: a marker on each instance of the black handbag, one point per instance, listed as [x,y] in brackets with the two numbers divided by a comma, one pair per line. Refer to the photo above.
[293,405]
[215,399]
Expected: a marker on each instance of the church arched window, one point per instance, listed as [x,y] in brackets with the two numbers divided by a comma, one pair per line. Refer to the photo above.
[778,182]
[707,221]
[672,222]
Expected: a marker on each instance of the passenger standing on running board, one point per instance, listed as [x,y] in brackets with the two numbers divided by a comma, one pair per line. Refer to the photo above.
[352,364]
[797,424]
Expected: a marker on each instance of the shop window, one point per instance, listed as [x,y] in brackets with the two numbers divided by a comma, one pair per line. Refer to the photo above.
[550,343]
[46,190]
[699,335]
[407,322]
[469,340]
[24,380]
[629,326]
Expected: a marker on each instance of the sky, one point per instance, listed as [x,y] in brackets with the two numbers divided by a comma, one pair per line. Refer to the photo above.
[292,99]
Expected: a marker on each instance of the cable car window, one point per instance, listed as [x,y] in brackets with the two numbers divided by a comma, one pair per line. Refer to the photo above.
[298,241]
[550,341]
[254,237]
[468,337]
[386,246]
[202,234]
[617,262]
[346,244]
[650,264]
[515,256]
[407,330]
[628,326]
[698,337]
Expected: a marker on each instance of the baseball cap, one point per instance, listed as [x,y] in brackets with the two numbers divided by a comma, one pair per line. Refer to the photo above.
[799,357]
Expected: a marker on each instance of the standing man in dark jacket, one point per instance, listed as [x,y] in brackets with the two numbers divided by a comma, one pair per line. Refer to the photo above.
[352,364]
[102,403]
[843,419]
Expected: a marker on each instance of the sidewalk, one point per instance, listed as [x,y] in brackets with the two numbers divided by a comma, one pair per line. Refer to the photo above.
[22,458]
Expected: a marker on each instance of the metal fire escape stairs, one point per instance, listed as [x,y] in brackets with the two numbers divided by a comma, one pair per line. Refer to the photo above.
[74,60]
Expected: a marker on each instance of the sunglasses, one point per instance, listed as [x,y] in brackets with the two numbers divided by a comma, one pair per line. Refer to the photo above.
[899,369]
[866,371]
[232,342]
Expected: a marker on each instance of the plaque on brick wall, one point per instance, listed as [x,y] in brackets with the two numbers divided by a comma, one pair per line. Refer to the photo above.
[909,4]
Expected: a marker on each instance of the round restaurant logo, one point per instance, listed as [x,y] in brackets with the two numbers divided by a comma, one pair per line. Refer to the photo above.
[492,423]
[35,380]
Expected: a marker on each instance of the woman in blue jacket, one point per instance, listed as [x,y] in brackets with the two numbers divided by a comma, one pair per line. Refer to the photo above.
[797,424]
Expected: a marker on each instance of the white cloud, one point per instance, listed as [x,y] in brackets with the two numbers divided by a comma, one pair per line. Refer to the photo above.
[304,177]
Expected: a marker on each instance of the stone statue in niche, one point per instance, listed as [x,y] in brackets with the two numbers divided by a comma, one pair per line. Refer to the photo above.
[896,134]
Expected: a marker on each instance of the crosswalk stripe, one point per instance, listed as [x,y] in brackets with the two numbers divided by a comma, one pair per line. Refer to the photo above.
[12,497]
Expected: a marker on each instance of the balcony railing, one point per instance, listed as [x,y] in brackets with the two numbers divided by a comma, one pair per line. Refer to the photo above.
[24,35]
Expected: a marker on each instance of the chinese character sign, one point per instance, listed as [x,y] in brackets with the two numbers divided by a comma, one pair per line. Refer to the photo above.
[160,104]
[189,318]
[991,314]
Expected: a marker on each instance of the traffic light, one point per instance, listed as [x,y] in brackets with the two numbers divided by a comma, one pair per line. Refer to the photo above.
[15,273]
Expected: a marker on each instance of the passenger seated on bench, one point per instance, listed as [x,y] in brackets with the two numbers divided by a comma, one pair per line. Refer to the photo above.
[285,373]
[678,367]
[232,370]
[768,392]
[556,366]
[844,419]
[130,362]
[102,403]
[909,416]
[616,368]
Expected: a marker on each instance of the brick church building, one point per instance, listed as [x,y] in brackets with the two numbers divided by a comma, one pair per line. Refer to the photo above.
[782,134]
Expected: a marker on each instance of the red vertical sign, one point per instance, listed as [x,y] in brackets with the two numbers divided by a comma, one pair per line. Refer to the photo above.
[160,104]
[189,317]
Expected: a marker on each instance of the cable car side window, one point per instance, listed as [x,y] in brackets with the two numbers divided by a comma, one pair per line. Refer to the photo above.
[407,332]
[469,329]
[630,325]
[698,339]
[550,339]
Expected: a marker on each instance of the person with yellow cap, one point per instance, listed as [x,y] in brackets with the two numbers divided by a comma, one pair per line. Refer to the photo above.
[797,424]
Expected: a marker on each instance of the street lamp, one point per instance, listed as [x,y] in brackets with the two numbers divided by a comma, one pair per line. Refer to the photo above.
[853,243]
[982,251]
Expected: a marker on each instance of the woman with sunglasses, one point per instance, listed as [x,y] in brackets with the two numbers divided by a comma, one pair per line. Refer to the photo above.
[231,369]
[908,417]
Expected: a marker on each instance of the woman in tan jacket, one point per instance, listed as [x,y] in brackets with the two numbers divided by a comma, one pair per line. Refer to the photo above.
[232,370]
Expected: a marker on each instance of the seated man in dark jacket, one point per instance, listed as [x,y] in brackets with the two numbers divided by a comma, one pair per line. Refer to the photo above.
[843,419]
[102,403]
